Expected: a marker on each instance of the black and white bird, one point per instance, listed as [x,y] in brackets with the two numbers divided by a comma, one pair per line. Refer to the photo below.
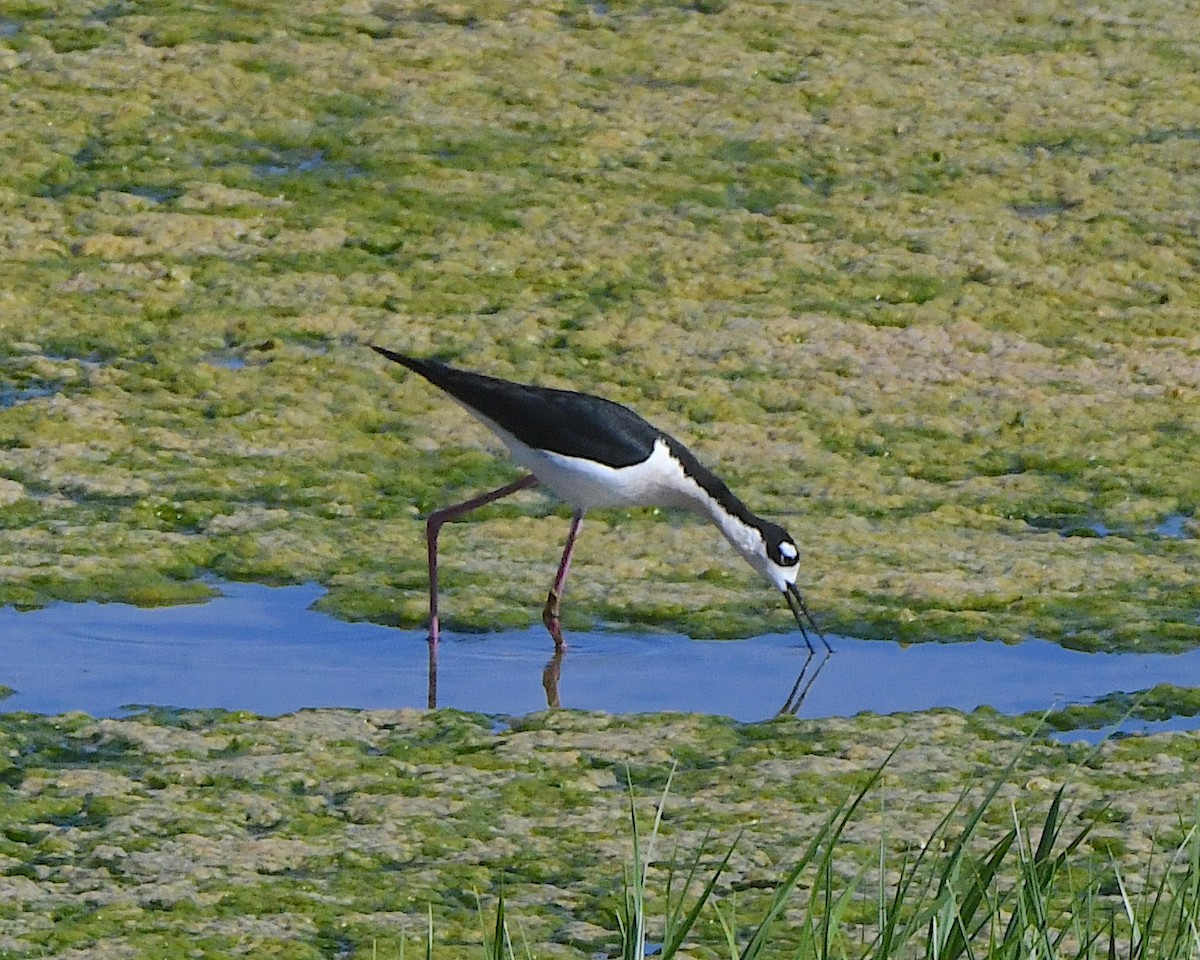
[592,452]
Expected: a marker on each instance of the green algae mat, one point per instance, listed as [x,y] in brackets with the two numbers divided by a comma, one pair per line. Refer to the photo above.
[920,281]
[344,834]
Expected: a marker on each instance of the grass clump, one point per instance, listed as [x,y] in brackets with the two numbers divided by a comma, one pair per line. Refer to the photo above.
[1025,895]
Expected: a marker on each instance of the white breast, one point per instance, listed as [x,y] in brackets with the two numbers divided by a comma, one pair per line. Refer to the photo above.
[658,481]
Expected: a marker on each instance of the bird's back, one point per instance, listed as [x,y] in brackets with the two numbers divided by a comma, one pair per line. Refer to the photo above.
[597,433]
[558,421]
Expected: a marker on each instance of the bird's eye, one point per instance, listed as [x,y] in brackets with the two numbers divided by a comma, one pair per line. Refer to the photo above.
[788,554]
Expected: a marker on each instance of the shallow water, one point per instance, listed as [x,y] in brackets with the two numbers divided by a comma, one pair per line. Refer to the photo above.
[263,650]
[15,396]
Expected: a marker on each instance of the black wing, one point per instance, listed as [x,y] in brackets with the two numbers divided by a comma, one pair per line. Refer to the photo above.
[561,421]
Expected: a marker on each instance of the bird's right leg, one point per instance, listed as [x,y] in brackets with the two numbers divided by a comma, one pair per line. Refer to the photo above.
[550,615]
[434,524]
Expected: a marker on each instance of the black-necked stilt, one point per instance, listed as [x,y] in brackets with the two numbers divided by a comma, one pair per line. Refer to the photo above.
[593,452]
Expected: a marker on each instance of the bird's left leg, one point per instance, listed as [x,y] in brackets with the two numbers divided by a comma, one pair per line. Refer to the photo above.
[433,526]
[550,612]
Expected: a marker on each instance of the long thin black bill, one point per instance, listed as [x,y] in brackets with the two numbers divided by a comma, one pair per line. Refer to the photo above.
[800,612]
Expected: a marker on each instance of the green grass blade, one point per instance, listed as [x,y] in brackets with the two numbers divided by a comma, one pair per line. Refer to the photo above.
[500,932]
[729,928]
[677,932]
[784,890]
[959,933]
[674,907]
[826,837]
[633,925]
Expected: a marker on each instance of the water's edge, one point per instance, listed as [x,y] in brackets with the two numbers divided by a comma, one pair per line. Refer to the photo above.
[264,650]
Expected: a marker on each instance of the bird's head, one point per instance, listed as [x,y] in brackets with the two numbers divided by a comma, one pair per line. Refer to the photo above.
[778,559]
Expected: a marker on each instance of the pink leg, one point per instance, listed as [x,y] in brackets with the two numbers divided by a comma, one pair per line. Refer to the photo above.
[445,515]
[550,611]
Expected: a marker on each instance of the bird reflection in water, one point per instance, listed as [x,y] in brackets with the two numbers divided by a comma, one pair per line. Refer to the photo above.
[433,652]
[552,675]
[800,689]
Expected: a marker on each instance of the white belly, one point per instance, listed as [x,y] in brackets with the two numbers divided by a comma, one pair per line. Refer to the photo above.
[658,481]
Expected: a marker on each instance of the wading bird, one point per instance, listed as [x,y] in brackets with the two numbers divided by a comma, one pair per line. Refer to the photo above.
[592,452]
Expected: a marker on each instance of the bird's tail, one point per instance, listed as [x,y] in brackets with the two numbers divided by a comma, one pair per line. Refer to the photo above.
[412,363]
[472,389]
[431,370]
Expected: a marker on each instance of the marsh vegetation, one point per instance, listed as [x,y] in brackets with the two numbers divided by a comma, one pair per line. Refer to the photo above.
[918,279]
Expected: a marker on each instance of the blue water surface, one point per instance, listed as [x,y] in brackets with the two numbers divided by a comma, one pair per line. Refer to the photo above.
[263,650]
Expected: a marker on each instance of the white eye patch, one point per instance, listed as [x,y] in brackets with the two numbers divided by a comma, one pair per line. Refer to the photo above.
[788,551]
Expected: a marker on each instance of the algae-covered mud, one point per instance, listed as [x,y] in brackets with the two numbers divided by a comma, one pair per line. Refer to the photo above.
[919,280]
[338,833]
